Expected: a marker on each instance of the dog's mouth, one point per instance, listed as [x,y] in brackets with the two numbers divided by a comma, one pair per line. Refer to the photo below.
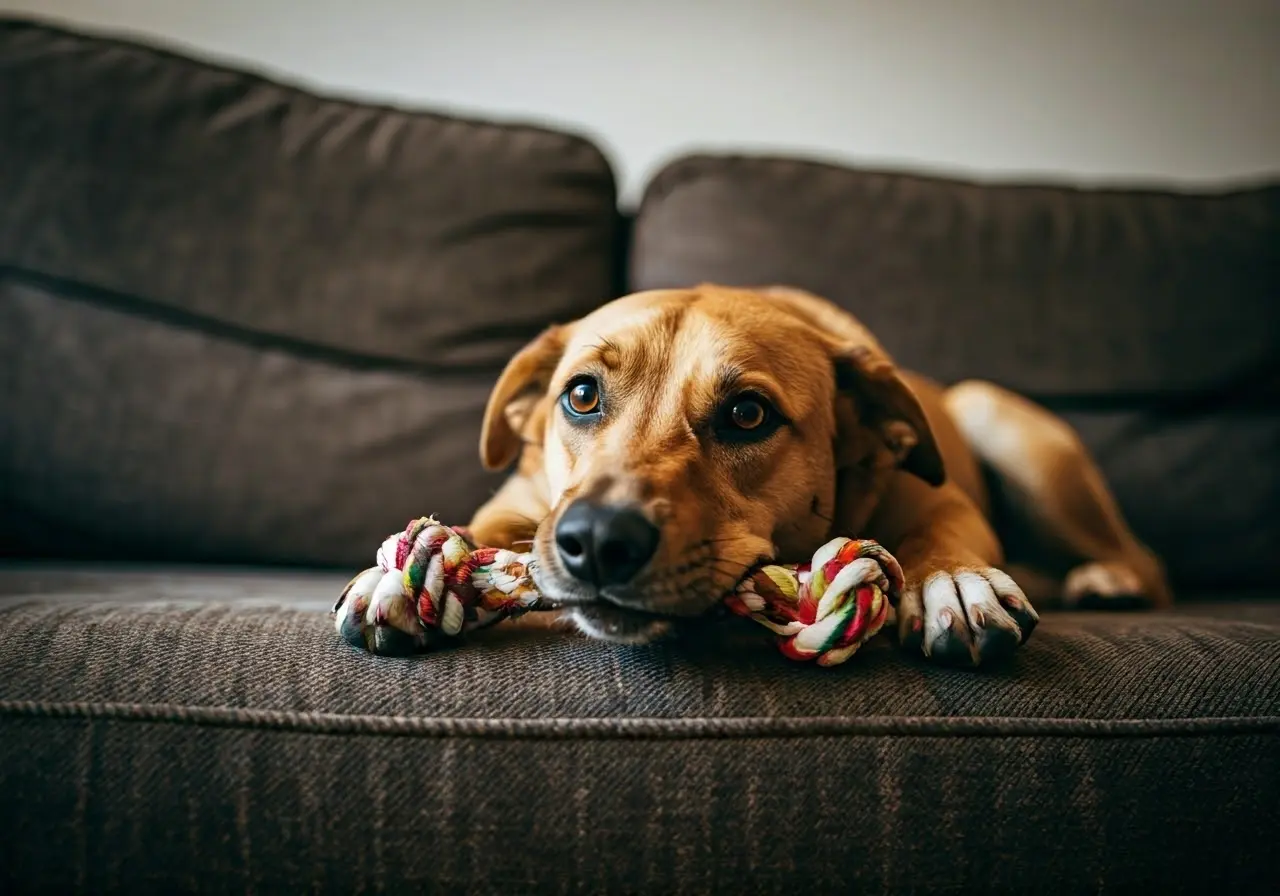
[631,614]
[609,622]
[657,603]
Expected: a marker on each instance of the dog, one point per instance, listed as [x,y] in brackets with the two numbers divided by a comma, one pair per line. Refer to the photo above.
[672,440]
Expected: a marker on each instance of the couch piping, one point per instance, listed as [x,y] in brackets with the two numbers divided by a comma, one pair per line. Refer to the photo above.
[639,728]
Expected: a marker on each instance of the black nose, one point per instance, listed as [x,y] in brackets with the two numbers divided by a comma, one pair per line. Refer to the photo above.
[604,545]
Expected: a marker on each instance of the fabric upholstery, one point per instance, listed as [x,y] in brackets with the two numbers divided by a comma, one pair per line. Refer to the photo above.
[227,298]
[212,733]
[1149,319]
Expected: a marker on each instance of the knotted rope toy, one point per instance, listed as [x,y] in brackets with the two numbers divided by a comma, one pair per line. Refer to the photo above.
[432,584]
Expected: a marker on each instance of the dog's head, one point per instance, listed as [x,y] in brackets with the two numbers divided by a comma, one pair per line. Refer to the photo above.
[687,435]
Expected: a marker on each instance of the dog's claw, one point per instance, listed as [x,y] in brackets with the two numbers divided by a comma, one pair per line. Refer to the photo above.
[995,643]
[970,617]
[1021,611]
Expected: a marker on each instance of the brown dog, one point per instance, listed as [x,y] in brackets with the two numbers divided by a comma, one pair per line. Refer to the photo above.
[673,439]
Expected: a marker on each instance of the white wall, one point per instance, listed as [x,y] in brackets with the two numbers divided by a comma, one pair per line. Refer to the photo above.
[1183,91]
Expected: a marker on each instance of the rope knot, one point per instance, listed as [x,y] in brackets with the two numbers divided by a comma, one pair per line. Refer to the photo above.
[432,583]
[825,609]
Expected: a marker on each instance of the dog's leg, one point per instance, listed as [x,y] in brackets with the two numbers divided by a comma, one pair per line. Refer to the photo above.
[958,606]
[1047,470]
[510,518]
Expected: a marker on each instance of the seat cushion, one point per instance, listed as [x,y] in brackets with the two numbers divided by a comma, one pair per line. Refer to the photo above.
[1147,318]
[215,717]
[245,323]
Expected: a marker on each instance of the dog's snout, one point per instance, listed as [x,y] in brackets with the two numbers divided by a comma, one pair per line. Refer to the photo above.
[603,544]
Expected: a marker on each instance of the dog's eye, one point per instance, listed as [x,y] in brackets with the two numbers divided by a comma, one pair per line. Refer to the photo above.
[582,397]
[747,413]
[747,418]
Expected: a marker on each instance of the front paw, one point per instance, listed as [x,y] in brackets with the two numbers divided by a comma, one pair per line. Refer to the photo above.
[964,615]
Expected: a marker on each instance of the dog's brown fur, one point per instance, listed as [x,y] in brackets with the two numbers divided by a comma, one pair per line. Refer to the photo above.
[866,450]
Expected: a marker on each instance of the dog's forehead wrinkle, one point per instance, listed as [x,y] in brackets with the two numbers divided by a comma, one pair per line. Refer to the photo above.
[676,364]
[648,341]
[785,354]
[606,352]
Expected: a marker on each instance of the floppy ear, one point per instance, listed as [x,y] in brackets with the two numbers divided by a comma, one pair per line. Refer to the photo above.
[887,405]
[522,384]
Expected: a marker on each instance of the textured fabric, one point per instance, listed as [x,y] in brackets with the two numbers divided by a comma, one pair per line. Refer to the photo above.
[223,295]
[227,642]
[175,808]
[1202,474]
[133,438]
[1150,319]
[1051,291]
[212,733]
[223,196]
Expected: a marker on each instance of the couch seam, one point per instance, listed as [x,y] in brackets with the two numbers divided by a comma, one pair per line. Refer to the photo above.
[60,288]
[643,728]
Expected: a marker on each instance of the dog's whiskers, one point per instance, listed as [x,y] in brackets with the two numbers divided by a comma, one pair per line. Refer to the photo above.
[735,570]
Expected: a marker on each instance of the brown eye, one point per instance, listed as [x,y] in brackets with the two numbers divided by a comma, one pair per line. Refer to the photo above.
[582,398]
[747,413]
[747,418]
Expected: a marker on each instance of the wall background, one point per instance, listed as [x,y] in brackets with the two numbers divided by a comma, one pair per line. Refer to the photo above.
[1183,92]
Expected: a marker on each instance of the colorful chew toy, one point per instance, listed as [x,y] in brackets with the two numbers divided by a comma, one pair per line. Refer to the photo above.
[432,584]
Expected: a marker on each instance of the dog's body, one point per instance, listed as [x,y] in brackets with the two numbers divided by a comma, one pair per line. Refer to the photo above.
[673,439]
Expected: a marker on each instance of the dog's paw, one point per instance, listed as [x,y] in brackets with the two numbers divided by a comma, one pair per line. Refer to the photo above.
[1105,586]
[965,616]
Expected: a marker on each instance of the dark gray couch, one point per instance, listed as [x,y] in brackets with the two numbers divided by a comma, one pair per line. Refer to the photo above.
[246,332]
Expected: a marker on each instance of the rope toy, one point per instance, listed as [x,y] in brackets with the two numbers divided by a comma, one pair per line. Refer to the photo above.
[432,585]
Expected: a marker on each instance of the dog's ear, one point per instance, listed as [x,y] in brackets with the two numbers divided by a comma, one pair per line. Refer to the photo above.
[885,404]
[520,387]
[882,403]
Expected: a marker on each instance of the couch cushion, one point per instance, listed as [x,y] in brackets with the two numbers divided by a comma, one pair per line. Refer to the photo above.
[216,718]
[225,298]
[1149,318]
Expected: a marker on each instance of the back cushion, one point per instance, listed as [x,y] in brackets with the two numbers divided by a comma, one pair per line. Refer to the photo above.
[242,322]
[1150,320]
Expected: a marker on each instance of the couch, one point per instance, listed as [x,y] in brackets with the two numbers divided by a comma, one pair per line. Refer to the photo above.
[247,331]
